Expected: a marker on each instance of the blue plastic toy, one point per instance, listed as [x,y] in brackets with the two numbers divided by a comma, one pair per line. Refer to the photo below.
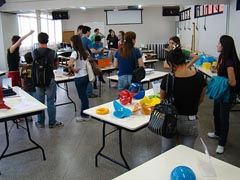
[138,89]
[121,111]
[182,173]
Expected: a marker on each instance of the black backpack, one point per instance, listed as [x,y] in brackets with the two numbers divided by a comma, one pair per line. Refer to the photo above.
[42,69]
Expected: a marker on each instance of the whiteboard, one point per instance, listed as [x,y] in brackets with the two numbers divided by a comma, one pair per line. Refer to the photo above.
[124,17]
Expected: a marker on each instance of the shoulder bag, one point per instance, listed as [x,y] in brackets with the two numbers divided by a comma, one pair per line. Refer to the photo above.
[163,119]
[139,72]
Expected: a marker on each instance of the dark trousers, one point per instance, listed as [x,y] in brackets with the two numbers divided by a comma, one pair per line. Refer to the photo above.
[221,119]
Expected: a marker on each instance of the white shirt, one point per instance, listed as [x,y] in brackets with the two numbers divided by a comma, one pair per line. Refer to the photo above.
[79,64]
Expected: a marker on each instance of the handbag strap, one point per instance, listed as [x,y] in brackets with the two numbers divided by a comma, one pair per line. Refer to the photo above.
[135,58]
[170,94]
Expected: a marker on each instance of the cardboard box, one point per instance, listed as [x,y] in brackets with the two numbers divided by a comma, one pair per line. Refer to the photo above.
[106,62]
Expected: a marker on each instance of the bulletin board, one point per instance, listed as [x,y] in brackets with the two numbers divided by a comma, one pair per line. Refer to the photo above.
[66,36]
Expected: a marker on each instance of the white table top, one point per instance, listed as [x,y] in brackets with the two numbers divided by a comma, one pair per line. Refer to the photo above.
[147,51]
[20,104]
[64,77]
[160,167]
[207,72]
[108,68]
[133,122]
[150,61]
[148,77]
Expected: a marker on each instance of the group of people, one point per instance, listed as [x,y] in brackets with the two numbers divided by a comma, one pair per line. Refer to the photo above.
[188,88]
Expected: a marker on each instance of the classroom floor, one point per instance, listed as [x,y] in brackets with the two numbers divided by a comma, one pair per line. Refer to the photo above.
[70,150]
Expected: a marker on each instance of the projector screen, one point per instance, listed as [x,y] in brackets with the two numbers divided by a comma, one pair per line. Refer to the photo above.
[124,17]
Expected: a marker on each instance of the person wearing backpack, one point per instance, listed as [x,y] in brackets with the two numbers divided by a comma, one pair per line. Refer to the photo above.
[44,62]
[228,66]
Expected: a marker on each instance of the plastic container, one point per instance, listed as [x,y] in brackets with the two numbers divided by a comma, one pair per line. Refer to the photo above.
[105,62]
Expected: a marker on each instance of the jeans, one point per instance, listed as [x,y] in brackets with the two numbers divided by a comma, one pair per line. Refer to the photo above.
[50,91]
[221,119]
[32,93]
[89,89]
[187,132]
[81,84]
[124,82]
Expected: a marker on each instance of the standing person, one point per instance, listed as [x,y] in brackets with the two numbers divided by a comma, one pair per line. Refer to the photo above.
[79,30]
[87,44]
[174,41]
[50,90]
[120,38]
[186,100]
[228,66]
[112,45]
[96,33]
[26,76]
[13,58]
[79,58]
[125,60]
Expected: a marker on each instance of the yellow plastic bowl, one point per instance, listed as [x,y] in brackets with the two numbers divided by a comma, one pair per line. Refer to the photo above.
[206,65]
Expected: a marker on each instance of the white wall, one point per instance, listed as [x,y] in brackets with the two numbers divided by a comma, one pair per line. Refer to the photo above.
[206,40]
[155,27]
[234,24]
[8,28]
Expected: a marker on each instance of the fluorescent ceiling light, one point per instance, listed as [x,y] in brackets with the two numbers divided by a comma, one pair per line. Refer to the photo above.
[83,8]
[139,6]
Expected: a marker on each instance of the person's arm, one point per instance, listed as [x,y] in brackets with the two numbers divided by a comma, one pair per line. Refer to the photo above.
[194,59]
[231,76]
[165,65]
[18,43]
[162,94]
[140,62]
[115,63]
[56,61]
[102,36]
[70,65]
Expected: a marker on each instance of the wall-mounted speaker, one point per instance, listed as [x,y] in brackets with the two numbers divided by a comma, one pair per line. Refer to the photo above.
[170,11]
[60,15]
[2,2]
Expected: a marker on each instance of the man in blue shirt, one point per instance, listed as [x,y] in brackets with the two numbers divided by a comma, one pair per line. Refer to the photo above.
[98,45]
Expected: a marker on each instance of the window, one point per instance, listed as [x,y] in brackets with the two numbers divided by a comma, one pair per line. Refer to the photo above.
[27,22]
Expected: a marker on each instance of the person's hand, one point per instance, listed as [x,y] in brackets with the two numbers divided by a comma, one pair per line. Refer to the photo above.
[76,70]
[31,32]
[100,50]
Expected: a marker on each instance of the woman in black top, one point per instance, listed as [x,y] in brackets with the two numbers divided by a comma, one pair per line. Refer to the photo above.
[188,92]
[229,67]
[112,41]
[13,58]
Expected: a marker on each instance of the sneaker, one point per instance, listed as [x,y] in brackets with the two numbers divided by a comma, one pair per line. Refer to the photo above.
[220,149]
[212,135]
[57,124]
[38,125]
[92,96]
[82,119]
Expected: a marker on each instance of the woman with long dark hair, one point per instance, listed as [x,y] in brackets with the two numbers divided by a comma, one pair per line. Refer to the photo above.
[125,60]
[79,59]
[188,91]
[13,58]
[228,66]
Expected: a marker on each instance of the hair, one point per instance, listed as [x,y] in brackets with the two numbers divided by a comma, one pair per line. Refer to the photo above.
[79,27]
[97,38]
[86,29]
[110,30]
[15,38]
[78,47]
[96,30]
[175,39]
[28,57]
[176,57]
[43,38]
[122,33]
[228,51]
[128,44]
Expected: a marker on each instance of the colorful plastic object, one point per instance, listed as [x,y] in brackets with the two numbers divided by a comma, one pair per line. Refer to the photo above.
[206,65]
[137,88]
[182,173]
[121,111]
[102,111]
[2,104]
[125,97]
[147,104]
[135,108]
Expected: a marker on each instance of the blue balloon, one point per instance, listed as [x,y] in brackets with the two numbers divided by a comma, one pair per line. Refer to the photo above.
[182,173]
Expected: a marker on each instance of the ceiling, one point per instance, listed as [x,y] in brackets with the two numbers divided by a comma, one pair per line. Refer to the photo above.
[28,5]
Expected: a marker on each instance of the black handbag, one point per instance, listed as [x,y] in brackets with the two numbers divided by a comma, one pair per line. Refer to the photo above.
[163,119]
[139,72]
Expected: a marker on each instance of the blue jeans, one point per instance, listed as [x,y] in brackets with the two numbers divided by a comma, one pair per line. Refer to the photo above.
[187,132]
[124,82]
[221,119]
[81,84]
[50,91]
[89,89]
[32,93]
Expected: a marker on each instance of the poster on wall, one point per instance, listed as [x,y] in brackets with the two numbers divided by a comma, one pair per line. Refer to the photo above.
[238,5]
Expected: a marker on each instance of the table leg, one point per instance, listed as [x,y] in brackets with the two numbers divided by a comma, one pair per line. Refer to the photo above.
[71,101]
[100,89]
[7,140]
[104,135]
